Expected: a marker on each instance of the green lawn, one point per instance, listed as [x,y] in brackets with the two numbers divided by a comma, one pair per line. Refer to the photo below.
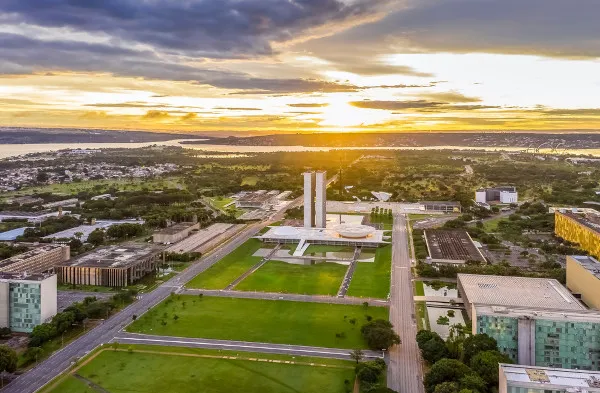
[275,276]
[319,248]
[233,265]
[373,279]
[273,321]
[249,181]
[492,225]
[419,289]
[177,370]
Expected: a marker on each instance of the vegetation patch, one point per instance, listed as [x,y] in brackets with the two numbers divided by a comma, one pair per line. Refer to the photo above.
[372,279]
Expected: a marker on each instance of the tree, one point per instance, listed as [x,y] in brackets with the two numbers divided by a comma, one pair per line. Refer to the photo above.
[446,387]
[96,237]
[446,370]
[33,354]
[357,354]
[78,235]
[8,359]
[434,350]
[379,334]
[477,343]
[381,389]
[486,365]
[474,383]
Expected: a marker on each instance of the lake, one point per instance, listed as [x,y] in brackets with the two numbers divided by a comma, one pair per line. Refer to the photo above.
[12,150]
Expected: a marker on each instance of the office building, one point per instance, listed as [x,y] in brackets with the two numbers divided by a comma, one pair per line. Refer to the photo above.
[26,300]
[451,247]
[581,229]
[31,216]
[535,321]
[527,379]
[113,266]
[440,206]
[37,260]
[315,199]
[583,279]
[257,199]
[175,233]
[502,194]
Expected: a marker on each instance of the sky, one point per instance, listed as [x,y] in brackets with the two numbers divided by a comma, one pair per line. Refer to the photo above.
[266,66]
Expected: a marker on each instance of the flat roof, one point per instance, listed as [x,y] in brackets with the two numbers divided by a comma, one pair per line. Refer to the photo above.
[591,221]
[551,378]
[117,256]
[517,291]
[499,188]
[4,276]
[453,244]
[448,203]
[540,313]
[182,226]
[255,197]
[30,253]
[27,214]
[318,234]
[591,264]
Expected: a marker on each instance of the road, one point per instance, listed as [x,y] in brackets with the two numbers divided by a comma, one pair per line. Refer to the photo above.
[286,296]
[243,346]
[106,331]
[405,373]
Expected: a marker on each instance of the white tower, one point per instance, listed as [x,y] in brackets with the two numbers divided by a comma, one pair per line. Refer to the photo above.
[321,199]
[309,199]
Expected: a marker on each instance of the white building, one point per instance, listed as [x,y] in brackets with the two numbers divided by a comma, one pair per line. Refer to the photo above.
[27,301]
[529,379]
[315,199]
[502,194]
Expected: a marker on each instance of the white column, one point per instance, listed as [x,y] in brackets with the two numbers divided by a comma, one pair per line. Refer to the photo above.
[309,200]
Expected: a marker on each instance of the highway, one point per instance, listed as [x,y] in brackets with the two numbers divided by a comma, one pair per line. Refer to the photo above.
[405,373]
[243,346]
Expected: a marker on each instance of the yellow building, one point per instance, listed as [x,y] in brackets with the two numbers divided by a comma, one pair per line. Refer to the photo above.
[583,278]
[580,229]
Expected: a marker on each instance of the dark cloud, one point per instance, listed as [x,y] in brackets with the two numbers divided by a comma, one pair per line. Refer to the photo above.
[543,27]
[307,105]
[200,28]
[270,86]
[418,106]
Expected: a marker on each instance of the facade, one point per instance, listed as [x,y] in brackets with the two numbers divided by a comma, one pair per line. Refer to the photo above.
[583,279]
[113,266]
[441,206]
[175,233]
[315,199]
[502,194]
[340,235]
[451,247]
[37,260]
[581,229]
[535,321]
[527,379]
[27,300]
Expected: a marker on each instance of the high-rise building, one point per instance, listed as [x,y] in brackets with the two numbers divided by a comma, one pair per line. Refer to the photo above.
[309,199]
[26,300]
[315,199]
[321,199]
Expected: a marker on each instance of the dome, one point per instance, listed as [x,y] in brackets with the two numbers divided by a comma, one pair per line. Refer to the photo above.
[354,231]
[285,231]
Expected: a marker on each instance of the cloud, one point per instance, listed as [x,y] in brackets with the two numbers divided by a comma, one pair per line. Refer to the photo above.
[199,28]
[156,115]
[418,106]
[307,105]
[237,109]
[450,97]
[270,86]
[188,117]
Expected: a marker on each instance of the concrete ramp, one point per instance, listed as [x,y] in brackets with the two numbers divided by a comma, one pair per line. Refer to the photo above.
[302,247]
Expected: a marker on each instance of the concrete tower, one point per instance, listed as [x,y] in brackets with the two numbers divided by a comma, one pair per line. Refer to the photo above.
[321,199]
[309,199]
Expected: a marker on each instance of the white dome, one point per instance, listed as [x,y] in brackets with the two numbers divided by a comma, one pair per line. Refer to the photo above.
[354,231]
[286,231]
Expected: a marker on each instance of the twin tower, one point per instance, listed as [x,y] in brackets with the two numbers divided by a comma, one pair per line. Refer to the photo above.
[315,199]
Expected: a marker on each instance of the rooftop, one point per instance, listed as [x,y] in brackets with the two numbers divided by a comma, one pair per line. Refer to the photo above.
[339,233]
[452,244]
[24,277]
[573,316]
[517,292]
[117,256]
[551,378]
[499,188]
[26,214]
[182,226]
[447,203]
[589,263]
[29,254]
[591,221]
[258,197]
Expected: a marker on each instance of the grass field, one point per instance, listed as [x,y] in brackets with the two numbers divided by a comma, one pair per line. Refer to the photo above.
[233,265]
[419,289]
[185,370]
[492,225]
[249,181]
[272,321]
[275,276]
[373,279]
[100,185]
[319,248]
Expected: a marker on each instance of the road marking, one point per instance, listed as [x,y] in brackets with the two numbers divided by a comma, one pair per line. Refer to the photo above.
[243,346]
